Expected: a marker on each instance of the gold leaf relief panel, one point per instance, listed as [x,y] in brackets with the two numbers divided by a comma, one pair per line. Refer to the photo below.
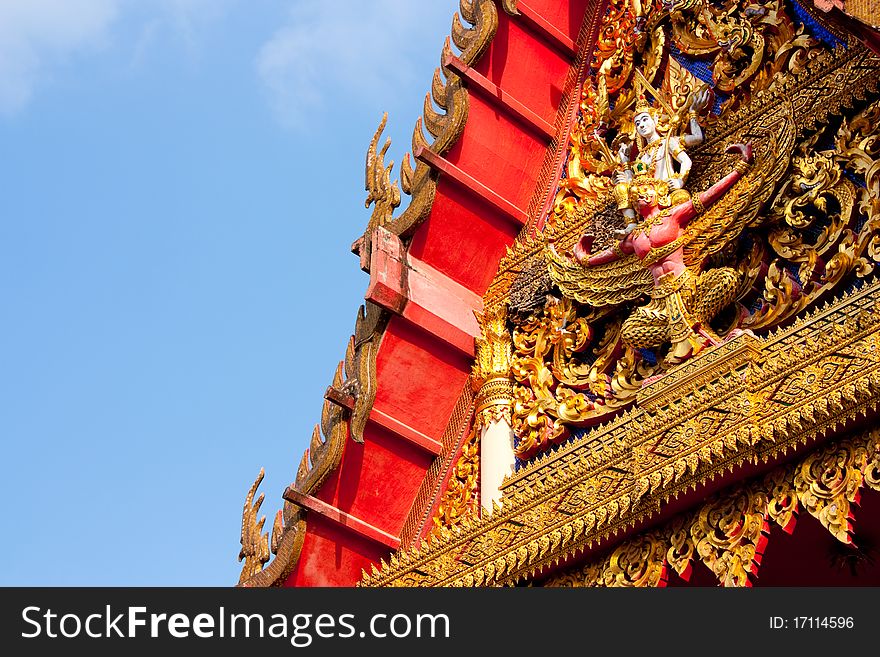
[729,533]
[803,224]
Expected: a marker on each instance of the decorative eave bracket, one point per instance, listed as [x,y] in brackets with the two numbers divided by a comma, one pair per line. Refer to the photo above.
[412,289]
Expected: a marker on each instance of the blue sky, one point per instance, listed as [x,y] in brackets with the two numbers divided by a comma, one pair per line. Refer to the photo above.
[181,183]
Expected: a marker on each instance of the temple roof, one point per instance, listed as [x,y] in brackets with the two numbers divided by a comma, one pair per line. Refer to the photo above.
[395,414]
[486,185]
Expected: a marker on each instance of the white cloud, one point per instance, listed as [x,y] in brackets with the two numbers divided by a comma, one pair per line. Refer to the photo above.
[356,46]
[37,33]
[361,47]
[187,16]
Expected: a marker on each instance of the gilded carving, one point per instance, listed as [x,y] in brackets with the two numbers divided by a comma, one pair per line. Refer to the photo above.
[797,227]
[828,483]
[633,427]
[730,535]
[637,563]
[461,498]
[491,381]
[728,532]
[871,469]
[586,577]
[254,544]
[867,11]
[566,377]
[680,553]
[782,499]
[491,372]
[564,503]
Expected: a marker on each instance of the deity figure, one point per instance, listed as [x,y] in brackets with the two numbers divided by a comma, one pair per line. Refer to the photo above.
[683,299]
[658,148]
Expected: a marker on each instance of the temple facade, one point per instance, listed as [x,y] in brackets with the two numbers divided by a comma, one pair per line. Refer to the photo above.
[625,330]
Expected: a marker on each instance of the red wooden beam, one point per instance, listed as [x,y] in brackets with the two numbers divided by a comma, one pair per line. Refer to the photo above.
[412,289]
[441,164]
[547,31]
[404,431]
[358,526]
[396,427]
[501,98]
[336,396]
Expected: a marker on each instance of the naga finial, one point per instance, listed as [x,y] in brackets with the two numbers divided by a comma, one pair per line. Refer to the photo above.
[254,543]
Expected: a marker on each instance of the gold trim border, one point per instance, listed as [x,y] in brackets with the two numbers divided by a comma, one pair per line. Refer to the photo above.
[815,376]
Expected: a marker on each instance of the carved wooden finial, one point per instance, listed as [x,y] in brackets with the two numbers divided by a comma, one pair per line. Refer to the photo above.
[254,543]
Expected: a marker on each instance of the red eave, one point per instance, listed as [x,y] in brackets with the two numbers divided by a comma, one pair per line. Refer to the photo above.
[431,287]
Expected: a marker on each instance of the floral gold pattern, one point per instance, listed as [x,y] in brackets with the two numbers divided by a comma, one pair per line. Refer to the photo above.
[728,532]
[461,498]
[828,483]
[621,473]
[803,225]
[730,535]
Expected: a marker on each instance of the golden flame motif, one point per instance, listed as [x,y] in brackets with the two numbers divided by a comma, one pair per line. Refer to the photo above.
[724,412]
[729,532]
[805,222]
[566,377]
[254,544]
[461,498]
[828,483]
[730,535]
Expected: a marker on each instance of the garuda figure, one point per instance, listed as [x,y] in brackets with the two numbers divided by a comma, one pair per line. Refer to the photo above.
[663,256]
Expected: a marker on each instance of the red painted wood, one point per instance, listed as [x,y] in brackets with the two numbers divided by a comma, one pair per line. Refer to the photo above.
[376,481]
[546,30]
[500,98]
[503,205]
[332,556]
[387,287]
[419,378]
[406,432]
[499,153]
[442,307]
[424,295]
[564,16]
[526,68]
[463,239]
[385,421]
[353,523]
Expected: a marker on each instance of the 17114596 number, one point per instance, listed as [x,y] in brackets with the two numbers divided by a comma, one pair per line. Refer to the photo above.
[823,622]
[812,622]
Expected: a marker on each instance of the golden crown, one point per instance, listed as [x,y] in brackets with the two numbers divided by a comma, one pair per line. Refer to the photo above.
[642,105]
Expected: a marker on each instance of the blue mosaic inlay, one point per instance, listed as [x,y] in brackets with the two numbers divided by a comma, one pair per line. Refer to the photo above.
[854,177]
[649,356]
[815,30]
[856,284]
[793,268]
[700,70]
